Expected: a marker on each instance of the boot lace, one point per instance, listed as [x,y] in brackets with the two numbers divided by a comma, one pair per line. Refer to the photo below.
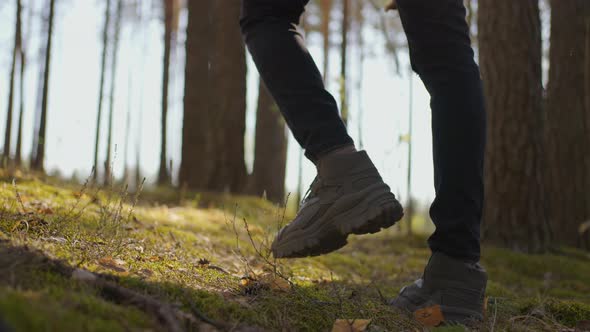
[311,191]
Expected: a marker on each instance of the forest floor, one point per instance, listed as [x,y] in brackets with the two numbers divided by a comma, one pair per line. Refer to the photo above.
[81,258]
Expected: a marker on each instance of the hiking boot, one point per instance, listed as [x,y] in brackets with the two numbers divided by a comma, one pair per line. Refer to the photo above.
[456,286]
[348,196]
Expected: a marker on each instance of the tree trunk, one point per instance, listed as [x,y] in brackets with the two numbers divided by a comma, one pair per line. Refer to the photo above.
[360,19]
[108,164]
[215,99]
[344,60]
[163,174]
[23,66]
[108,167]
[103,69]
[9,112]
[270,154]
[510,57]
[567,132]
[21,113]
[409,209]
[196,143]
[228,74]
[40,150]
[326,12]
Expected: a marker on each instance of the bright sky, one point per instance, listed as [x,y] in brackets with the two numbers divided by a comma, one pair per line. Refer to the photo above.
[74,93]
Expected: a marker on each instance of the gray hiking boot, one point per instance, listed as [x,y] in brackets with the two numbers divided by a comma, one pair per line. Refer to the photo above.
[347,197]
[456,286]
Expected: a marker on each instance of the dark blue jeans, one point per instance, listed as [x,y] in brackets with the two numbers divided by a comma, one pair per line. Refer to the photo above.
[440,52]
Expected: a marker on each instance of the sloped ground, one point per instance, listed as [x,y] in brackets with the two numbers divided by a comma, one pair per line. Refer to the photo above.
[203,258]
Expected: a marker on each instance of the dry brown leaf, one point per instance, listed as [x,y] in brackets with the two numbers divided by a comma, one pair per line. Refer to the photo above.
[430,316]
[45,210]
[146,272]
[113,264]
[245,281]
[391,6]
[275,282]
[351,325]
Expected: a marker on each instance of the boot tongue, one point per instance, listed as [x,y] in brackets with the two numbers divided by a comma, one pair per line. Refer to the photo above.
[338,165]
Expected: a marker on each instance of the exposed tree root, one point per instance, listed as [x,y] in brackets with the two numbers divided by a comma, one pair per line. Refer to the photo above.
[171,318]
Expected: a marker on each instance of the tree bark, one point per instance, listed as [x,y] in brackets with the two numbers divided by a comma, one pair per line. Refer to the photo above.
[108,165]
[510,58]
[270,154]
[326,13]
[567,118]
[40,150]
[10,110]
[196,145]
[23,66]
[215,99]
[228,75]
[163,174]
[344,61]
[103,69]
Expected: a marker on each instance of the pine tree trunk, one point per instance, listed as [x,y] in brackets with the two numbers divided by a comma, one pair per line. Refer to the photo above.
[326,11]
[103,69]
[510,58]
[39,159]
[196,164]
[344,60]
[228,108]
[11,88]
[19,134]
[567,132]
[360,19]
[163,174]
[108,165]
[270,154]
[215,99]
[23,66]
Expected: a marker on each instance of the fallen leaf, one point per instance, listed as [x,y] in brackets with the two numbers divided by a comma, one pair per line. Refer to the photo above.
[45,210]
[113,264]
[391,6]
[351,325]
[146,272]
[246,281]
[275,282]
[429,316]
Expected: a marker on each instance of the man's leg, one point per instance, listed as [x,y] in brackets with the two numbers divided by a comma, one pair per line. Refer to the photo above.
[290,74]
[441,53]
[348,195]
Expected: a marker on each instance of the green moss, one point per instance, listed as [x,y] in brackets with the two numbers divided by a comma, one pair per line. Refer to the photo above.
[61,310]
[194,250]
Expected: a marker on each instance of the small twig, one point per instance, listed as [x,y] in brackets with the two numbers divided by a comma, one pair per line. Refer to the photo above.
[492,328]
[18,197]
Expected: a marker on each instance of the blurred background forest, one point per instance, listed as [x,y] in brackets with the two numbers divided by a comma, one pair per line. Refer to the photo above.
[120,90]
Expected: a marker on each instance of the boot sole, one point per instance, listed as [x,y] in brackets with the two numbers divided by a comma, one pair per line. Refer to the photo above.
[367,212]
